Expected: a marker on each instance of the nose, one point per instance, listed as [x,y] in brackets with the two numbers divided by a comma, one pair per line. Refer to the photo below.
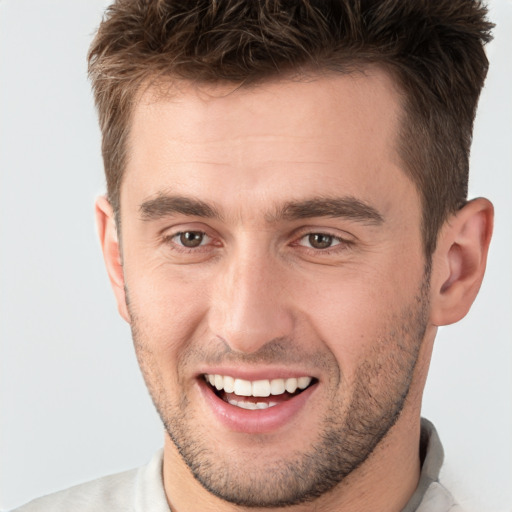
[250,303]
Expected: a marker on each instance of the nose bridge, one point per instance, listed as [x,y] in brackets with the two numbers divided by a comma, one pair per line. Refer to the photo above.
[249,308]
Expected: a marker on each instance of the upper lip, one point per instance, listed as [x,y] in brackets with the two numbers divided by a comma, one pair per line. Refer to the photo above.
[253,374]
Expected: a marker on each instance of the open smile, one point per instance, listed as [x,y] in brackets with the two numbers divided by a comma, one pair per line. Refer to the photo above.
[257,394]
[256,406]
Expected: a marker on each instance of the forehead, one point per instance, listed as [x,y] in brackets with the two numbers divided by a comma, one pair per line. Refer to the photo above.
[306,107]
[283,137]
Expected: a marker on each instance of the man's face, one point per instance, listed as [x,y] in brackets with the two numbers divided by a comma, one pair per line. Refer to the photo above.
[271,240]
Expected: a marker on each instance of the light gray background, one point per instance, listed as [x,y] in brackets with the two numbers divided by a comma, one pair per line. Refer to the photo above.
[73,405]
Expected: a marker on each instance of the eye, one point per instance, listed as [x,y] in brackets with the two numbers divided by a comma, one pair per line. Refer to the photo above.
[190,239]
[319,241]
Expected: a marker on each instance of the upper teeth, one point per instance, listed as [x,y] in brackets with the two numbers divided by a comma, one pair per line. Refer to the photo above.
[264,387]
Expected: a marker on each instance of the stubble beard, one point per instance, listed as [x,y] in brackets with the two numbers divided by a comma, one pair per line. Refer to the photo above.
[347,437]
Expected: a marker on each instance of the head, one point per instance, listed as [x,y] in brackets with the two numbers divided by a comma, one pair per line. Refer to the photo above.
[433,50]
[290,185]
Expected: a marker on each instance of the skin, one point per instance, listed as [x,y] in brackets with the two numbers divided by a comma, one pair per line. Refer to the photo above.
[255,296]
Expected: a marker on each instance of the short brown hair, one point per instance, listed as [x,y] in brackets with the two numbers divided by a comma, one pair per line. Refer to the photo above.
[433,48]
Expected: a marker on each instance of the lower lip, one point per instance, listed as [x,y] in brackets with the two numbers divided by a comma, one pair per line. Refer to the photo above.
[257,421]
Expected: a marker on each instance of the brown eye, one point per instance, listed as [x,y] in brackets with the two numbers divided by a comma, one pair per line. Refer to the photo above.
[320,240]
[191,239]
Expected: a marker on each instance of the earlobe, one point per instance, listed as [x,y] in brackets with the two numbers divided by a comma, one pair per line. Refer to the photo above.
[459,261]
[107,232]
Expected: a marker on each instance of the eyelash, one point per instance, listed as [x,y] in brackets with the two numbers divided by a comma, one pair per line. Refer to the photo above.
[341,245]
[169,239]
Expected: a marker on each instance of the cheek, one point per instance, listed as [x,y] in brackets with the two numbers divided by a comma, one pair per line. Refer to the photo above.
[166,318]
[168,307]
[355,315]
[347,323]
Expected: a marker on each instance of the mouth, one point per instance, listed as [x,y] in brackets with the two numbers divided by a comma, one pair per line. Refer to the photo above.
[257,394]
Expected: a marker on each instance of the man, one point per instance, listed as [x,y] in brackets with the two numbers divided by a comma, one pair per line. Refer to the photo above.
[286,226]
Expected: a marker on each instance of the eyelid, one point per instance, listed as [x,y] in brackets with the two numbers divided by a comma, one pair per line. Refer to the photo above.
[337,239]
[167,236]
[345,241]
[343,236]
[183,227]
[177,234]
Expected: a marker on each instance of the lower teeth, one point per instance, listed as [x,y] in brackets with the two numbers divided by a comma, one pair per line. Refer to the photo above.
[251,405]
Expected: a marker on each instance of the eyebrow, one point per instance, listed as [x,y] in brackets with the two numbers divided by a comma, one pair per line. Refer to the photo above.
[339,207]
[165,205]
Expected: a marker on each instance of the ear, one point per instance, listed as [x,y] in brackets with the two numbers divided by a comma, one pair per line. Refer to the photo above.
[109,240]
[459,261]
